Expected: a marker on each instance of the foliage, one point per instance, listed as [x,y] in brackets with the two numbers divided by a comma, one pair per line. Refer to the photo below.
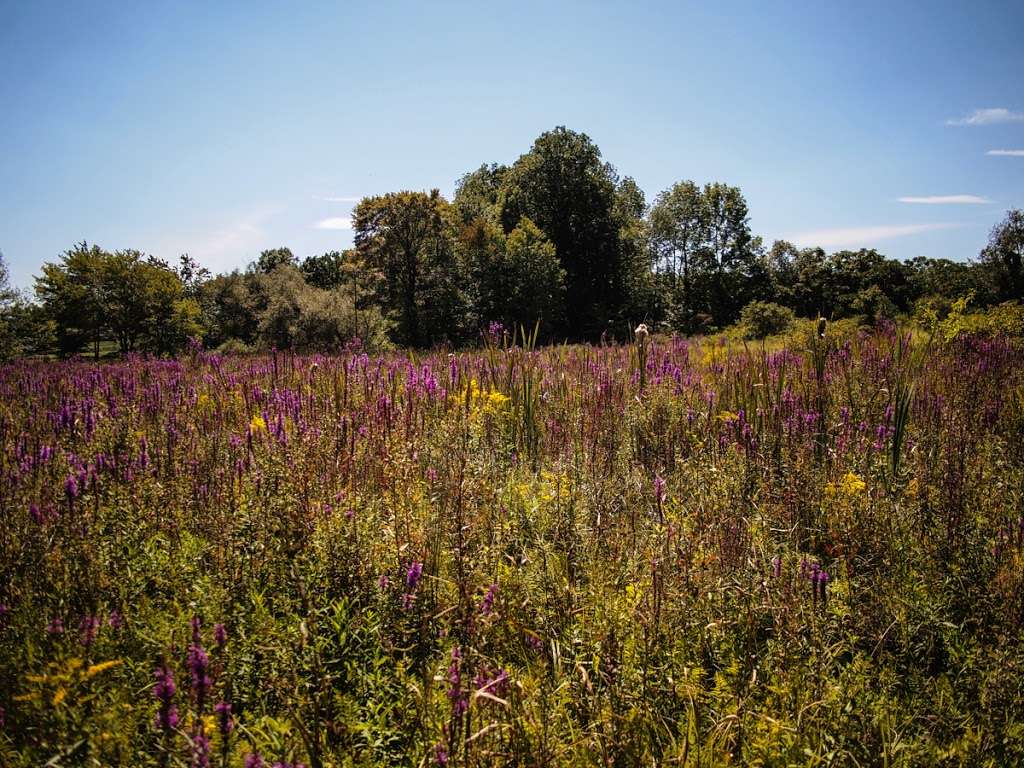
[91,295]
[406,237]
[1003,256]
[557,237]
[273,258]
[805,552]
[764,318]
[564,187]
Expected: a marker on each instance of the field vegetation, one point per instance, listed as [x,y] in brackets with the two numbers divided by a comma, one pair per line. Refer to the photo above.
[804,551]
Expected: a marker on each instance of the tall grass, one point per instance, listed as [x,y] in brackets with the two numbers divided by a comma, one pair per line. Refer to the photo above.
[700,553]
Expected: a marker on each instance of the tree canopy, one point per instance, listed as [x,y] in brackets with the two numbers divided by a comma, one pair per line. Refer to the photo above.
[556,239]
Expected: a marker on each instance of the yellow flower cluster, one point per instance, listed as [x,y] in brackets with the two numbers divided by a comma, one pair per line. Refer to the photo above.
[851,485]
[490,402]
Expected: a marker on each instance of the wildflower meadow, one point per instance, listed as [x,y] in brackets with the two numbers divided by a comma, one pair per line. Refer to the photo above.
[704,552]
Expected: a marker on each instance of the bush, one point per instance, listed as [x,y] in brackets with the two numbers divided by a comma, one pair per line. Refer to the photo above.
[872,305]
[328,320]
[235,347]
[765,318]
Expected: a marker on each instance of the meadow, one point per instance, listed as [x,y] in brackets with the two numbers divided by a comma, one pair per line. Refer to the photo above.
[676,552]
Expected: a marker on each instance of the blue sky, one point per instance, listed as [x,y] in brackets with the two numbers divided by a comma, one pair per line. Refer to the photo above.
[221,129]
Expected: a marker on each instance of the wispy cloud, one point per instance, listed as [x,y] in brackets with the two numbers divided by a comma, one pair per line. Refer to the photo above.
[988,116]
[946,200]
[335,222]
[341,199]
[1006,152]
[225,244]
[862,236]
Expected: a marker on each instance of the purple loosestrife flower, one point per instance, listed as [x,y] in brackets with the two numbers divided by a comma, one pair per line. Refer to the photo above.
[487,605]
[71,488]
[220,636]
[440,755]
[88,627]
[659,489]
[823,579]
[254,760]
[200,747]
[224,722]
[777,566]
[458,698]
[163,691]
[56,626]
[412,576]
[116,620]
[199,665]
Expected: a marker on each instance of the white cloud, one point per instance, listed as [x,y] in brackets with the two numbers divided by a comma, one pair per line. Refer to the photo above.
[946,200]
[1006,152]
[861,236]
[989,116]
[335,222]
[224,245]
[341,199]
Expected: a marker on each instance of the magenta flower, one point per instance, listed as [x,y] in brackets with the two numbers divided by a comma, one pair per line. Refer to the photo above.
[71,488]
[89,626]
[413,574]
[487,605]
[659,489]
[163,691]
[225,724]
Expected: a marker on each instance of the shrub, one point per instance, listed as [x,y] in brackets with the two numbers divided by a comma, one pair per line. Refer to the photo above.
[873,305]
[765,318]
[234,347]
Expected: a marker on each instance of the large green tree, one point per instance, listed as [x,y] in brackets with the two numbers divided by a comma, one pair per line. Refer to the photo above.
[91,295]
[564,187]
[1003,257]
[408,238]
[516,278]
[71,291]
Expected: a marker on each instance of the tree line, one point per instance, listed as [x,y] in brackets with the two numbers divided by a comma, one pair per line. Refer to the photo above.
[557,239]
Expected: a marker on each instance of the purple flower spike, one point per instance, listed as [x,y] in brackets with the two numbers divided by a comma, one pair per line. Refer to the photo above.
[487,605]
[224,722]
[220,636]
[412,576]
[659,489]
[163,691]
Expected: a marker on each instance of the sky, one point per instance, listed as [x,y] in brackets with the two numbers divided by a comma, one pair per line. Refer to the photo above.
[221,129]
